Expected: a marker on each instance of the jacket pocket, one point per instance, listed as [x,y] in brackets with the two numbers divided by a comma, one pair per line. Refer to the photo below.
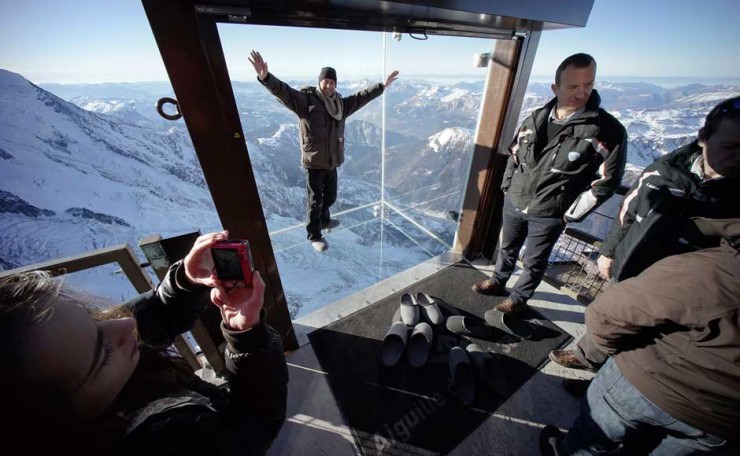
[572,156]
[516,183]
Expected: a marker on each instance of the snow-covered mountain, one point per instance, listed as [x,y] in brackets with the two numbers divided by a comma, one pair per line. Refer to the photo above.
[86,166]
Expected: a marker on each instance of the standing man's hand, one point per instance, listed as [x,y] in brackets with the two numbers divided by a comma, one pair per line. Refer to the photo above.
[391,77]
[605,266]
[260,66]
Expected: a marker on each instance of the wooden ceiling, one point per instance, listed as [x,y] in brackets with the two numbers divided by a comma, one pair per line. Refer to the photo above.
[477,18]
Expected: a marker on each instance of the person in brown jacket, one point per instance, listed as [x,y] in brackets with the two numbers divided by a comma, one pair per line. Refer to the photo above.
[673,336]
[322,112]
[701,179]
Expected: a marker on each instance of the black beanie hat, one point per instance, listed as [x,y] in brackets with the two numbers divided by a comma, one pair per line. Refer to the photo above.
[328,73]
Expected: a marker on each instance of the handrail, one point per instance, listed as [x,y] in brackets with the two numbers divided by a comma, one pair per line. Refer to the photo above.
[122,254]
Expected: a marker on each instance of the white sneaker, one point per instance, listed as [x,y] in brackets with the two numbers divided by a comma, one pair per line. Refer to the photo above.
[320,246]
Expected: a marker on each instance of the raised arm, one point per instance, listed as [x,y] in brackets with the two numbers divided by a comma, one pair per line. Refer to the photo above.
[259,64]
[391,77]
[291,98]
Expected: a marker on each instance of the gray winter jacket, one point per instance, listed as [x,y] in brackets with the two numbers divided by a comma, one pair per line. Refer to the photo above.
[322,136]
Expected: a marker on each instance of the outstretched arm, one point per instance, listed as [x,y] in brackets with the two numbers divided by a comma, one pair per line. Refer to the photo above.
[259,64]
[391,77]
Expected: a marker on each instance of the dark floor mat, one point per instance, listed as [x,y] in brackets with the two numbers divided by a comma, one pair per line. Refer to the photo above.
[402,410]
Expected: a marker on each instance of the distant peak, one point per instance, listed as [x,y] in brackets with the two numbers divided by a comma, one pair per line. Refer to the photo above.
[10,79]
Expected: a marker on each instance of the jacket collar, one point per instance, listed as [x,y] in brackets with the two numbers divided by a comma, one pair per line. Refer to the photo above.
[592,106]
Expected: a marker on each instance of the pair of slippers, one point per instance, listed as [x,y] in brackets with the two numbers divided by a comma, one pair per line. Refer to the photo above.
[465,364]
[491,329]
[418,345]
[420,306]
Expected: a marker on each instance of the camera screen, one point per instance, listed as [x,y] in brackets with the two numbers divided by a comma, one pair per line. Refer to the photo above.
[227,264]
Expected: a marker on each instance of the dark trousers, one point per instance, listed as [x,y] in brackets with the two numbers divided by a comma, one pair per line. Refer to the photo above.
[541,233]
[321,191]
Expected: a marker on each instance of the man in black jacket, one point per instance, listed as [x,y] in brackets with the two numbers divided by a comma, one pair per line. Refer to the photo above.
[567,158]
[322,112]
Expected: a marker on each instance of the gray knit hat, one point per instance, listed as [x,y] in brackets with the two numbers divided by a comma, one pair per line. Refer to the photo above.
[328,73]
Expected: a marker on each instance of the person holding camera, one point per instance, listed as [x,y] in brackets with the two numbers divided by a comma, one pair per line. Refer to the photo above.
[322,112]
[91,379]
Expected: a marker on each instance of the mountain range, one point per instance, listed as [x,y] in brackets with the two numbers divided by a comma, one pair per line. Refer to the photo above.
[86,166]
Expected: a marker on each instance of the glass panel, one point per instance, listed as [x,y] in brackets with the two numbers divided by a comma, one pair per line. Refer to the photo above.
[430,131]
[407,153]
[85,166]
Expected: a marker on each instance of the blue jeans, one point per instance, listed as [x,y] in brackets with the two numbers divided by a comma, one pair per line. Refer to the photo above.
[541,233]
[614,409]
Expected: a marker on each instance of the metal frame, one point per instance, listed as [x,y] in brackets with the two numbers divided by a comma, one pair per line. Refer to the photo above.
[187,36]
[121,254]
[194,59]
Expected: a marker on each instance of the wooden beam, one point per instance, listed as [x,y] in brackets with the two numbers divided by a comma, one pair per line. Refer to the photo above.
[192,54]
[506,85]
[487,167]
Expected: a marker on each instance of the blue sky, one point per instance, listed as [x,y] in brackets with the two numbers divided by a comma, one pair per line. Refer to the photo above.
[110,40]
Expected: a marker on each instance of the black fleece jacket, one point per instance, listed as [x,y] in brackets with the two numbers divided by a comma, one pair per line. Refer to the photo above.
[654,220]
[243,417]
[572,173]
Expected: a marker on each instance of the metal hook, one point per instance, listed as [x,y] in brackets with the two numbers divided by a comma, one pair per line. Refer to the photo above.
[171,101]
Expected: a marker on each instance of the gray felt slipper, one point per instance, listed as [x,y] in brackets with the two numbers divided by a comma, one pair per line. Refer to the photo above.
[409,309]
[488,368]
[462,381]
[467,326]
[429,308]
[420,344]
[394,344]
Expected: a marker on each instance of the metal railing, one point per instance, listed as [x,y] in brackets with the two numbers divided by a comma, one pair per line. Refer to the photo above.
[572,265]
[125,257]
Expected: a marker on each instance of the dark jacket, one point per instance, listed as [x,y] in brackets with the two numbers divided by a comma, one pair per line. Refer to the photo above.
[242,418]
[575,171]
[674,331]
[322,136]
[654,219]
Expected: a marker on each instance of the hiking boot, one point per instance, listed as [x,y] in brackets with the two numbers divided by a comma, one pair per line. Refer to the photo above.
[489,287]
[509,306]
[320,245]
[568,358]
[576,387]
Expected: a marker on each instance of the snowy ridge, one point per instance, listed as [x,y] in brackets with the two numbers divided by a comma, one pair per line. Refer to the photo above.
[102,168]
